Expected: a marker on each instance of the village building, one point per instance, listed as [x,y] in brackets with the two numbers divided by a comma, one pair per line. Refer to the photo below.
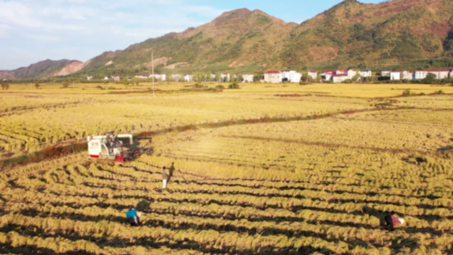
[385,73]
[115,78]
[176,77]
[365,73]
[142,76]
[420,75]
[247,78]
[158,76]
[313,74]
[291,76]
[338,78]
[343,75]
[89,78]
[440,73]
[273,77]
[327,75]
[188,77]
[225,77]
[408,75]
[395,75]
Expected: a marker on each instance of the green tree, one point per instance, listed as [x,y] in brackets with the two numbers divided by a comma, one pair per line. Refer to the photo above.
[5,86]
[65,84]
[430,78]
[37,85]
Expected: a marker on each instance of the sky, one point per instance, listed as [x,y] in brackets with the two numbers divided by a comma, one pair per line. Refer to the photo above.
[36,30]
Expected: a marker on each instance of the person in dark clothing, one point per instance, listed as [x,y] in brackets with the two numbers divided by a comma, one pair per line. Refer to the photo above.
[170,171]
[391,221]
[134,217]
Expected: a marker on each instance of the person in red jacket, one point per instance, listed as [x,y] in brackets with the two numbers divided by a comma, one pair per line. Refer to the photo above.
[391,221]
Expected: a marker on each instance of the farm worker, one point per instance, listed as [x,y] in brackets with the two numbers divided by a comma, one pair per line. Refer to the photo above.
[391,221]
[164,178]
[171,170]
[134,217]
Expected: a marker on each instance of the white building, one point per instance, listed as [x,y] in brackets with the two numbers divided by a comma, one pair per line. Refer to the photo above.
[225,77]
[420,75]
[386,73]
[408,75]
[188,77]
[313,74]
[89,78]
[247,78]
[337,78]
[176,77]
[440,73]
[366,73]
[142,76]
[351,73]
[158,76]
[273,77]
[343,74]
[291,76]
[213,75]
[327,75]
[395,75]
[115,78]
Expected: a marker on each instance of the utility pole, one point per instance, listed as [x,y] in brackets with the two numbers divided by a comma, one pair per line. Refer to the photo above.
[152,67]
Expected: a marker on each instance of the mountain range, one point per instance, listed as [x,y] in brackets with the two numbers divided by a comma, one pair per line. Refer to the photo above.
[348,35]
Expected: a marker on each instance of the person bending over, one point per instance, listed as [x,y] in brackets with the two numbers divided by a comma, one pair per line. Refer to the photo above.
[391,221]
[134,217]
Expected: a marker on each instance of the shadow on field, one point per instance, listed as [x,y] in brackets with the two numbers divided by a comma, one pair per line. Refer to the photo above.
[33,249]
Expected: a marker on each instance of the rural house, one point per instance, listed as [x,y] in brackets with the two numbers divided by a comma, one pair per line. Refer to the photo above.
[385,73]
[158,76]
[440,73]
[176,77]
[420,75]
[188,77]
[225,77]
[408,75]
[291,76]
[395,75]
[365,73]
[115,78]
[142,76]
[313,74]
[247,78]
[327,75]
[273,77]
[89,78]
[340,77]
[343,75]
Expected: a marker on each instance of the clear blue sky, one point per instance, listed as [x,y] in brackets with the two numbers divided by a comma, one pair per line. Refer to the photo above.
[35,30]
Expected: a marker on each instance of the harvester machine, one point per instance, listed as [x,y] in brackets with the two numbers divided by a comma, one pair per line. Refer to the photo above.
[109,146]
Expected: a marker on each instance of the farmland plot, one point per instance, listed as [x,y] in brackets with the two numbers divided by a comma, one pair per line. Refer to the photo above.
[276,175]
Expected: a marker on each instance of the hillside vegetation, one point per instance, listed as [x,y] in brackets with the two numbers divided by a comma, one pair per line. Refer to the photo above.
[409,34]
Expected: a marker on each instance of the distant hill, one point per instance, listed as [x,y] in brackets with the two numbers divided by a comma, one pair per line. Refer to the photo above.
[41,69]
[237,38]
[371,35]
[350,34]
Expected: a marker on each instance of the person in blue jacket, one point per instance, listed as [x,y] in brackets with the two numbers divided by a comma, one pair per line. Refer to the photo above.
[134,217]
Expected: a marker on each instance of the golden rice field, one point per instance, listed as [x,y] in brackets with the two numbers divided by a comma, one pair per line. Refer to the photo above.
[266,169]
